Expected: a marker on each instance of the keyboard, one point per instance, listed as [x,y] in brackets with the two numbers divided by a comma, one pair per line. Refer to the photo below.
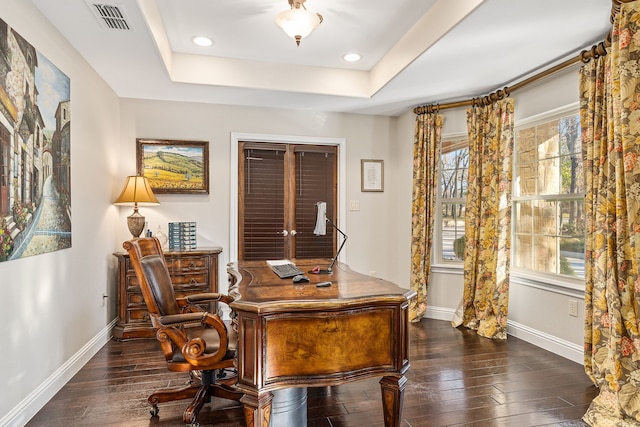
[286,270]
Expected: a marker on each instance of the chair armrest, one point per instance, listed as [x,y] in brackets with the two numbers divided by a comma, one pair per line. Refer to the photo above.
[194,302]
[182,319]
[172,327]
[207,297]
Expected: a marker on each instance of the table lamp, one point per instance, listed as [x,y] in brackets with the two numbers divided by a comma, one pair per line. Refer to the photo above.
[136,190]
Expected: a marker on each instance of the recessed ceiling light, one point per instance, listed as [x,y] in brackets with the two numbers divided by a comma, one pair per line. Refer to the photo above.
[352,57]
[202,41]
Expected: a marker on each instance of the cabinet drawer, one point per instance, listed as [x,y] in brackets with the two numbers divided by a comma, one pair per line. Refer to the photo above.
[189,281]
[135,299]
[138,315]
[132,283]
[179,264]
[187,264]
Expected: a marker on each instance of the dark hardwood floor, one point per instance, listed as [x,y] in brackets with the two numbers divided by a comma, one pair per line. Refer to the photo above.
[456,379]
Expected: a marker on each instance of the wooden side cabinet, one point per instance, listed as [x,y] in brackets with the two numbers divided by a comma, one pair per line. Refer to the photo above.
[192,271]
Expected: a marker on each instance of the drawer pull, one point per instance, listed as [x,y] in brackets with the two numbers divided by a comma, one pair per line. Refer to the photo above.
[193,282]
[192,266]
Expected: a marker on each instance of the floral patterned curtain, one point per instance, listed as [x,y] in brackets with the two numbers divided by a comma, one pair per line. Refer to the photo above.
[485,301]
[426,158]
[610,121]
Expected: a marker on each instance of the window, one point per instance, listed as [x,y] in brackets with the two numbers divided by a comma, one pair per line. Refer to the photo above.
[548,198]
[454,166]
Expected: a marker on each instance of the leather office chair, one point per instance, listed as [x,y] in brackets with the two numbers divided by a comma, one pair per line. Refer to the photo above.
[192,340]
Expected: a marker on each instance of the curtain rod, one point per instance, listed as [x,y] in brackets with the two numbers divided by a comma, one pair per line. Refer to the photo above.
[585,56]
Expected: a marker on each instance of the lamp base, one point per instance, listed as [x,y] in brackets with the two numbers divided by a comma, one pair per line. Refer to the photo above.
[135,222]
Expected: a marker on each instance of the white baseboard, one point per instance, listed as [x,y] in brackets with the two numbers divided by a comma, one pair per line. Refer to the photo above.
[555,345]
[566,349]
[30,405]
[440,313]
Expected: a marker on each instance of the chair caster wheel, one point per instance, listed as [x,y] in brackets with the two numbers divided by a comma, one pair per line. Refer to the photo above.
[193,424]
[154,411]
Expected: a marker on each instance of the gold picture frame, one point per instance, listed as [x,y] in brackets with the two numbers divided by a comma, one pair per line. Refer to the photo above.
[174,167]
[372,175]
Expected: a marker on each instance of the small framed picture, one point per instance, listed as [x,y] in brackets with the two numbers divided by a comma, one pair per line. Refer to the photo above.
[372,175]
[177,167]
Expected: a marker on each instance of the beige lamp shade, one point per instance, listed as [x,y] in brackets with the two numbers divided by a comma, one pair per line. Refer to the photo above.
[136,190]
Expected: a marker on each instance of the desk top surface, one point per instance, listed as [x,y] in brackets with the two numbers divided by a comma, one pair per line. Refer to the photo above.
[260,287]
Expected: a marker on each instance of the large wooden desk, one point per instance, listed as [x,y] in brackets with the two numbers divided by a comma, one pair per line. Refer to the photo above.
[298,335]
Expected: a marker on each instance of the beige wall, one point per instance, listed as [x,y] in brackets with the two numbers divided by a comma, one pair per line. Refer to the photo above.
[51,310]
[366,137]
[52,313]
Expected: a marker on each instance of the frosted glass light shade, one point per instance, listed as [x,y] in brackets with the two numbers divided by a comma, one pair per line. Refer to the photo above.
[298,23]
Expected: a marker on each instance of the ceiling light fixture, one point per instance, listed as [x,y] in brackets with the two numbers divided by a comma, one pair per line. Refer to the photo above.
[352,57]
[202,41]
[298,22]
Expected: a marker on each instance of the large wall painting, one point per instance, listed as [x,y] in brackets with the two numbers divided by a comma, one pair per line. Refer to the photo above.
[35,175]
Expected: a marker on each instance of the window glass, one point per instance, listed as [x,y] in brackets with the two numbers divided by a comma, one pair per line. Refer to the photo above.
[548,198]
[454,166]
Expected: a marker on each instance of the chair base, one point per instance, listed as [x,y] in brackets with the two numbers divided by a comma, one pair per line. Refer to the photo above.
[200,393]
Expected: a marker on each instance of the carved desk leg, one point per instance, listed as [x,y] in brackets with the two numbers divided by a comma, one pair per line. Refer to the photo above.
[257,412]
[392,396]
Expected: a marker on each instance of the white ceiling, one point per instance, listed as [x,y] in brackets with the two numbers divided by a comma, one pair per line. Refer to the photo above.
[414,51]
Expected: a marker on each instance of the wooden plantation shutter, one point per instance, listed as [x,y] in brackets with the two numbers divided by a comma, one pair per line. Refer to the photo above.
[263,201]
[315,182]
[279,186]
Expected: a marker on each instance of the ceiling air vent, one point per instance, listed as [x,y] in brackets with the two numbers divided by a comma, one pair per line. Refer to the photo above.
[111,16]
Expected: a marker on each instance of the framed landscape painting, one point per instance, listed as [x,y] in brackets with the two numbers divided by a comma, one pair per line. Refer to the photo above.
[174,167]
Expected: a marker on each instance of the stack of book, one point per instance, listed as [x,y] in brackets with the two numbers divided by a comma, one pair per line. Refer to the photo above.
[182,235]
